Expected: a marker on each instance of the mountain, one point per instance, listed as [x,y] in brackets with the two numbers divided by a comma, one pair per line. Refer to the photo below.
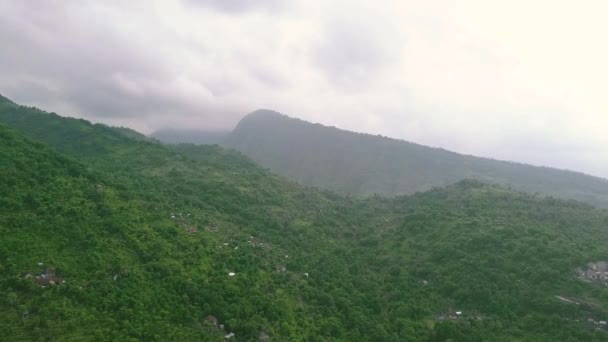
[363,164]
[175,136]
[147,242]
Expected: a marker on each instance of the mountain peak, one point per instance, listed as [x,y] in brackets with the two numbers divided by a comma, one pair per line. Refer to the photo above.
[265,113]
[262,119]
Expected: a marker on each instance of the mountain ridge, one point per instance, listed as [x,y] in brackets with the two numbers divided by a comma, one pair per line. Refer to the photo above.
[343,170]
[343,161]
[269,113]
[5,99]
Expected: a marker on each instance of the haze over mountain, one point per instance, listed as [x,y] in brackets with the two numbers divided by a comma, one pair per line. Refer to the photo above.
[108,236]
[364,164]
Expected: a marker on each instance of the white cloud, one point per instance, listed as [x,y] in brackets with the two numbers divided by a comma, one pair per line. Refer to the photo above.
[521,80]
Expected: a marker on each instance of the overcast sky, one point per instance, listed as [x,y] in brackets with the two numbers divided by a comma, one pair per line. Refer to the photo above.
[521,80]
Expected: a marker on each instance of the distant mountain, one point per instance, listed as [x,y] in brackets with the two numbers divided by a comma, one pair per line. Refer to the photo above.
[354,163]
[199,137]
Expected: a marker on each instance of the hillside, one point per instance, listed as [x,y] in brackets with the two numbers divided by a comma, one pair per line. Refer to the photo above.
[147,240]
[175,136]
[151,241]
[353,163]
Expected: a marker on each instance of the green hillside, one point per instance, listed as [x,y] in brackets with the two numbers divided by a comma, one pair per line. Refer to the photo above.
[182,136]
[168,225]
[353,163]
[146,239]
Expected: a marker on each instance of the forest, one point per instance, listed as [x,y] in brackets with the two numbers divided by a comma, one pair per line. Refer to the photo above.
[109,235]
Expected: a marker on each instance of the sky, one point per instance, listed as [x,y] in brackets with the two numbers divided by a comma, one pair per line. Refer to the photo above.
[521,80]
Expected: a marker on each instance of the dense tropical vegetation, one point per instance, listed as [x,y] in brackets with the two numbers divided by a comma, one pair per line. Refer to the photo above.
[147,242]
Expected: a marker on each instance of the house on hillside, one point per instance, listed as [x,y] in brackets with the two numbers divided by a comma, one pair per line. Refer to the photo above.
[595,272]
[48,277]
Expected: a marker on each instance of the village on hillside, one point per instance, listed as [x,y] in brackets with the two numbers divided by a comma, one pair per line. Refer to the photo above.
[596,272]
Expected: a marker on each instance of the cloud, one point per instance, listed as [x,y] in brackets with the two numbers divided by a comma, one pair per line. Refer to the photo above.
[239,6]
[356,46]
[504,80]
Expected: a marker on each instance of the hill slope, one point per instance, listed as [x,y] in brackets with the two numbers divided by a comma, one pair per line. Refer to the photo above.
[146,241]
[356,163]
[174,136]
[146,237]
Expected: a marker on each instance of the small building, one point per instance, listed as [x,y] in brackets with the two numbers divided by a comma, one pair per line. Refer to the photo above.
[264,337]
[49,278]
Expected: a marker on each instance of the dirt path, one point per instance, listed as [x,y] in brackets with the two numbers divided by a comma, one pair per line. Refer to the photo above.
[567,300]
